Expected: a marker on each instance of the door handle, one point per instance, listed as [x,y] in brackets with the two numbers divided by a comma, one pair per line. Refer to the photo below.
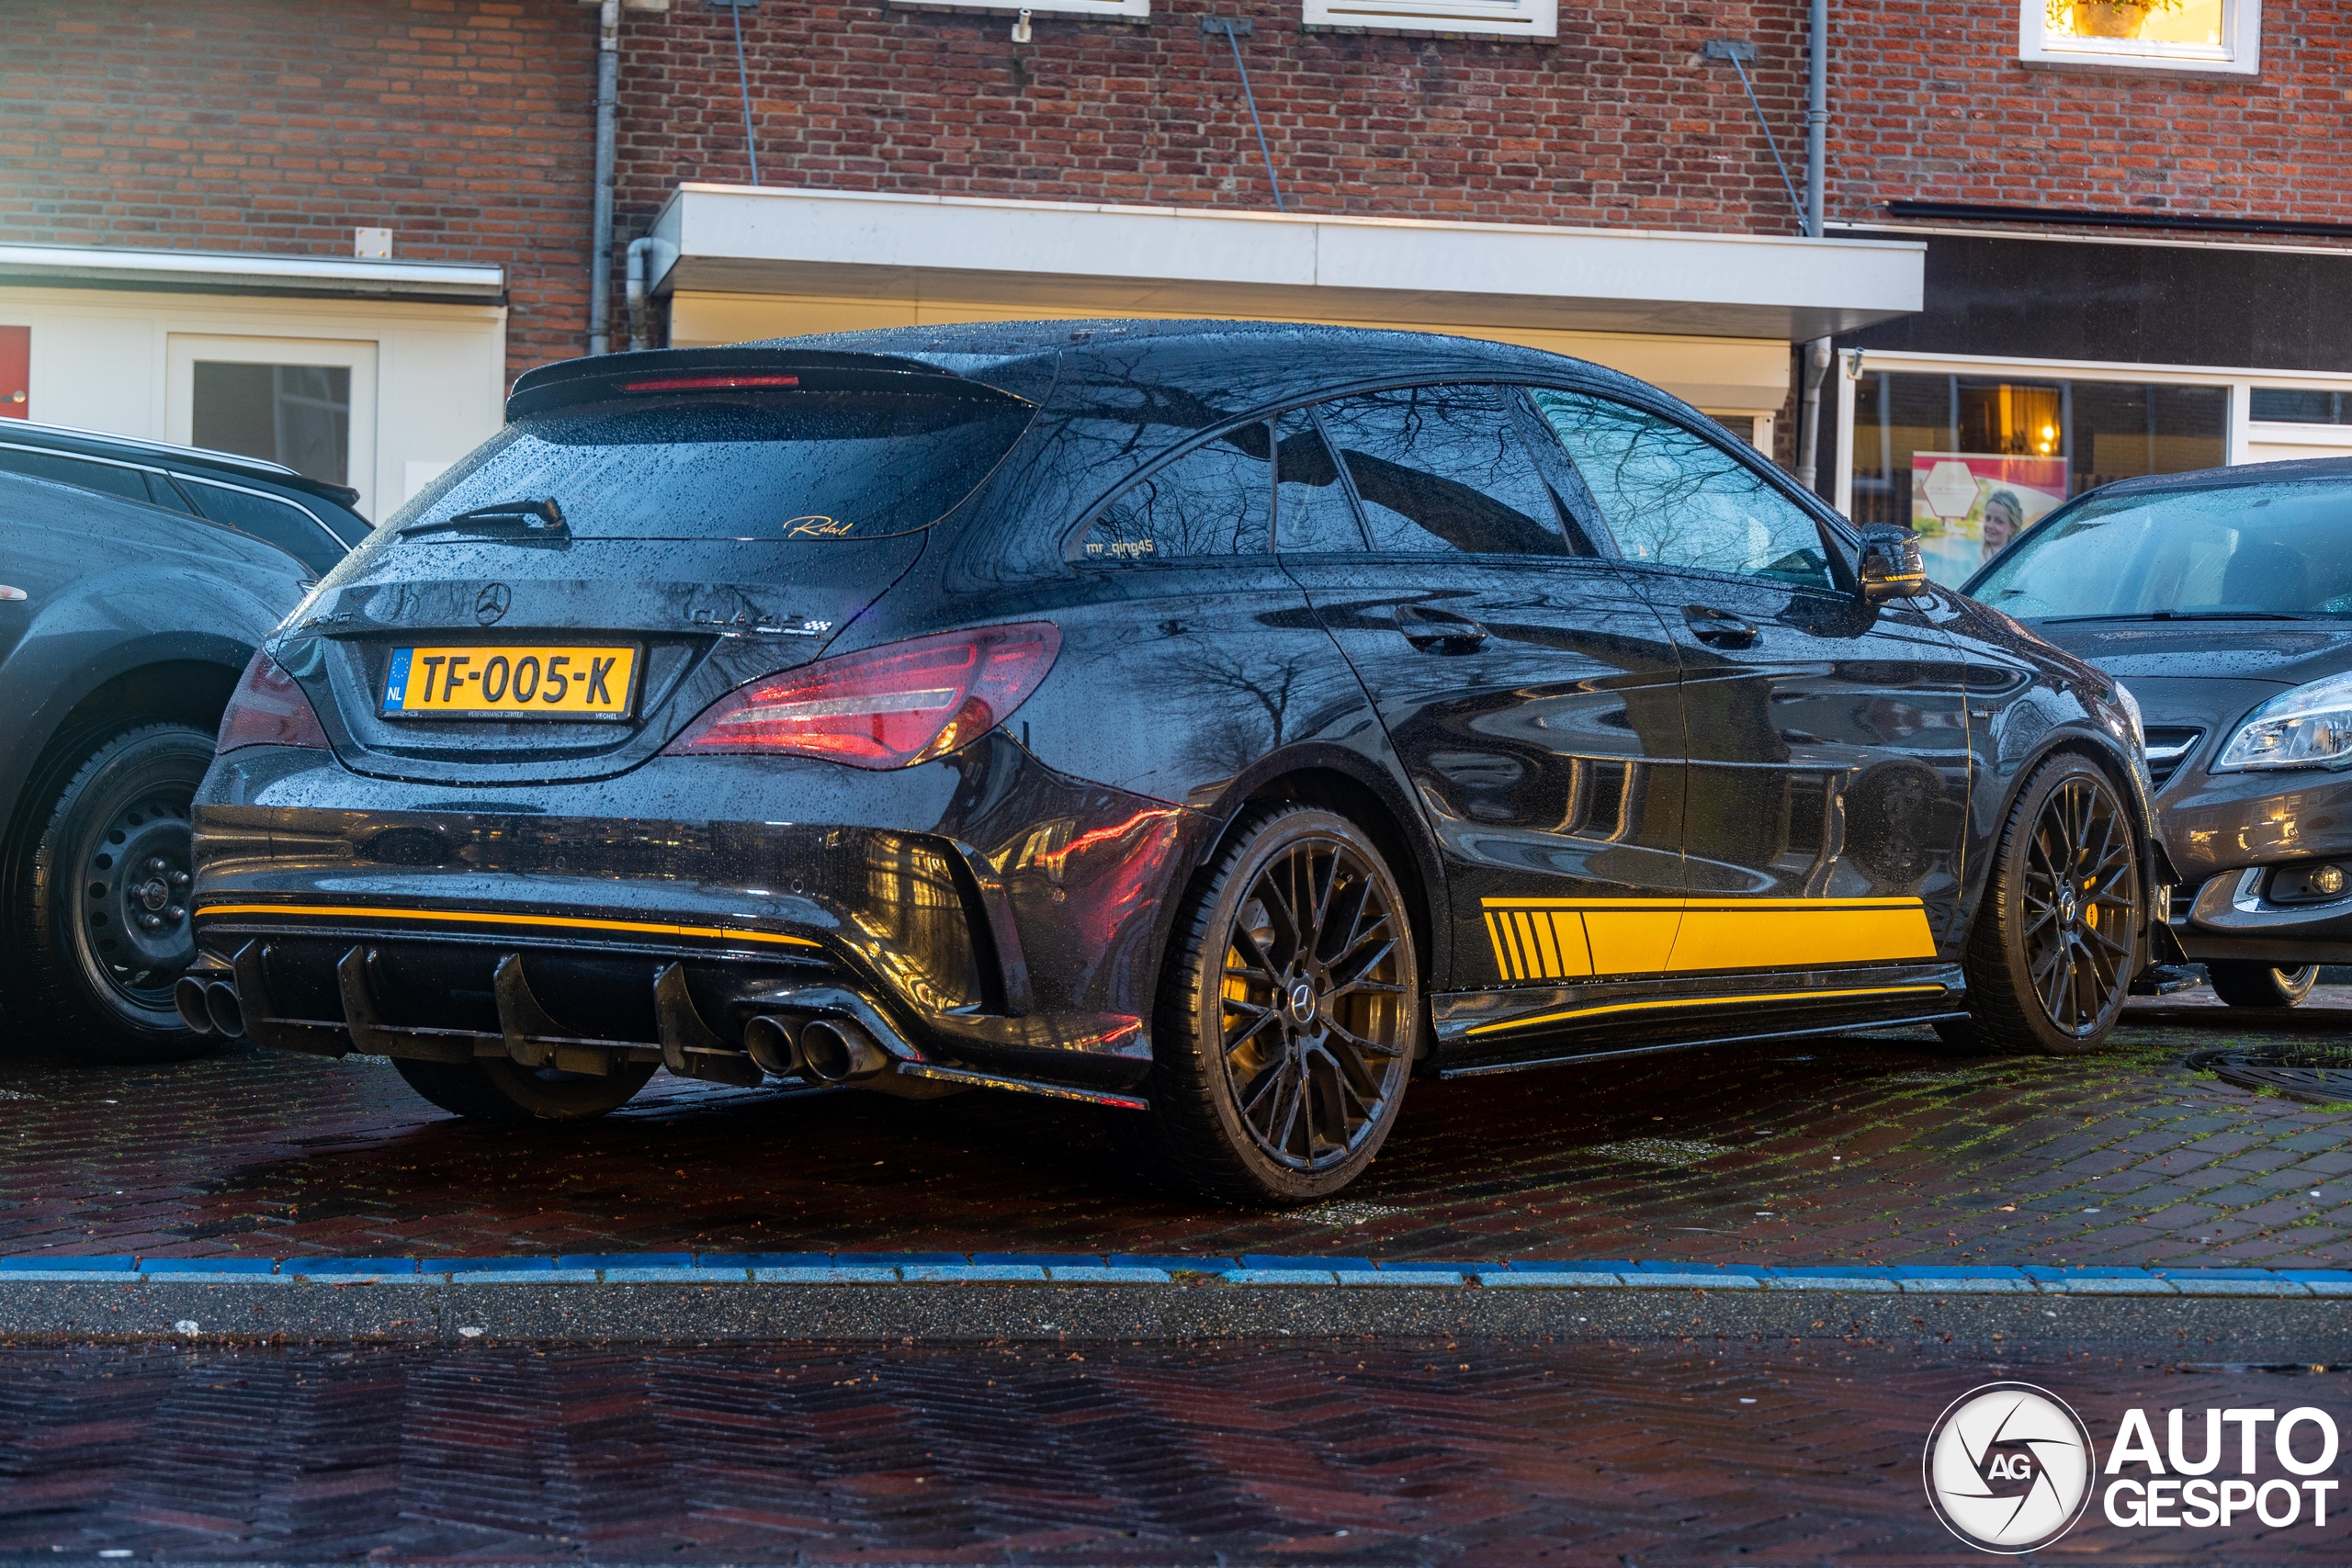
[1719,628]
[1439,631]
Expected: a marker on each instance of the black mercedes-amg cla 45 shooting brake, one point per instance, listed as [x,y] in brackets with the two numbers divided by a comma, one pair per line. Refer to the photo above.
[1229,722]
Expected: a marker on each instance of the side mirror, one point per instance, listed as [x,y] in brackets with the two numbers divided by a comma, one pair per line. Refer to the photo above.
[1890,568]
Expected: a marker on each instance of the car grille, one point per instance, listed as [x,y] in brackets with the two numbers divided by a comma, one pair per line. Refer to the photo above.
[2168,748]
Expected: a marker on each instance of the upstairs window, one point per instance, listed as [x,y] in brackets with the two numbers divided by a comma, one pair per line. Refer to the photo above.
[1487,18]
[2200,36]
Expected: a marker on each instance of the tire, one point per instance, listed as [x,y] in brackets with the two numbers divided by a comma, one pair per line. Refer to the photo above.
[492,1090]
[96,920]
[2246,984]
[2050,958]
[1262,1092]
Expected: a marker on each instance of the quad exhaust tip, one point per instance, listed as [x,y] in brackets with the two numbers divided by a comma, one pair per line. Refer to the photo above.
[772,1047]
[220,1005]
[835,1050]
[187,995]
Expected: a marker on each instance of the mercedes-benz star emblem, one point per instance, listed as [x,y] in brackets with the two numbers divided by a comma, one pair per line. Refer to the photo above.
[492,601]
[2009,1468]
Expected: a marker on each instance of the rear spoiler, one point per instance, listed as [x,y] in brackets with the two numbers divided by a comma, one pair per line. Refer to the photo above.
[675,370]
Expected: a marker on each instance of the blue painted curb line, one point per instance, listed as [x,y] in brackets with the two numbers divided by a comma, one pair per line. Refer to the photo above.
[1124,1269]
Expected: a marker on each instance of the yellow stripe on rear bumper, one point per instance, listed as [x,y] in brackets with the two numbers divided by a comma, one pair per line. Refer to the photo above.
[484,918]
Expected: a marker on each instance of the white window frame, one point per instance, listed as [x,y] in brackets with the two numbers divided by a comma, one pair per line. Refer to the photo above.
[2238,54]
[1854,363]
[1484,18]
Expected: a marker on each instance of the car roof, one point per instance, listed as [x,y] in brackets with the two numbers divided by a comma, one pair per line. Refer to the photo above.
[234,464]
[2243,474]
[1248,363]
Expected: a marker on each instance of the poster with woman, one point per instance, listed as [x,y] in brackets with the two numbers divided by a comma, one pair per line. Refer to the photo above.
[1966,505]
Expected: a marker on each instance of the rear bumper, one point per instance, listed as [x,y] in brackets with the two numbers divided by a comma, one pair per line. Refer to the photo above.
[1004,929]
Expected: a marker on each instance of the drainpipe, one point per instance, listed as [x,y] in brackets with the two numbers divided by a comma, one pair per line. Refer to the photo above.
[600,280]
[1816,159]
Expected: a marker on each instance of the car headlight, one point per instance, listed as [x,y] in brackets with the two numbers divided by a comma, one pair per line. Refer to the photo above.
[2131,707]
[2310,727]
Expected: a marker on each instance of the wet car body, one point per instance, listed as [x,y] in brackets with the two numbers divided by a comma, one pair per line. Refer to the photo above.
[1585,772]
[2231,833]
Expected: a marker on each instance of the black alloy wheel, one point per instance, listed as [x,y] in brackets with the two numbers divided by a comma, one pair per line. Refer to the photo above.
[2056,940]
[98,918]
[2243,984]
[1290,1017]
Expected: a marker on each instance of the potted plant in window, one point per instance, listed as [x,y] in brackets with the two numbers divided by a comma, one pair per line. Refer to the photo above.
[2104,18]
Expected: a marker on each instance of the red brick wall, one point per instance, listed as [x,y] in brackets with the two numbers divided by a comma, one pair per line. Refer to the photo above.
[466,127]
[1930,103]
[1620,122]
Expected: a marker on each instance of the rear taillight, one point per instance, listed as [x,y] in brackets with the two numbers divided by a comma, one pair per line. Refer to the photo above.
[883,707]
[269,709]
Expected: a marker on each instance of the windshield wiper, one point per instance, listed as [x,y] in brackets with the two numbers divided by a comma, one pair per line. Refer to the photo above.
[542,517]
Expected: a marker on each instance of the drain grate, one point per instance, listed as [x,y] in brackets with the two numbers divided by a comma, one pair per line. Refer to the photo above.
[2321,1074]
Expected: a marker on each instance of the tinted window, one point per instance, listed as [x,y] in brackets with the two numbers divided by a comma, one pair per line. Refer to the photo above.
[1673,496]
[273,522]
[105,478]
[811,465]
[1442,469]
[1217,500]
[1312,510]
[2266,550]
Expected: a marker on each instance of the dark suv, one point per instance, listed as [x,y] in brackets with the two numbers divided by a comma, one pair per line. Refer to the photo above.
[1220,719]
[308,519]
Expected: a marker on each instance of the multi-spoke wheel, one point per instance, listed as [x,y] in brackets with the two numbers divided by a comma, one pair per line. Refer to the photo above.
[2245,984]
[1288,1018]
[2056,940]
[98,916]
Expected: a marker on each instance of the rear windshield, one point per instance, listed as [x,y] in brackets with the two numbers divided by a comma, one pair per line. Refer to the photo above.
[2260,550]
[808,465]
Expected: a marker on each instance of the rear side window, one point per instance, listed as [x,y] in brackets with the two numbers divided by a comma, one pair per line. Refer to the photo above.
[1674,498]
[1216,500]
[802,464]
[106,479]
[273,522]
[1442,469]
[1312,511]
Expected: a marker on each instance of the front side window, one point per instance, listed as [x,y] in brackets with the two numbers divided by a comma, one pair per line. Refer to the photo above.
[1442,469]
[1217,500]
[2178,35]
[1673,498]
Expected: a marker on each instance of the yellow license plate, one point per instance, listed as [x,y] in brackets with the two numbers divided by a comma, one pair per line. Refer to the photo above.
[512,682]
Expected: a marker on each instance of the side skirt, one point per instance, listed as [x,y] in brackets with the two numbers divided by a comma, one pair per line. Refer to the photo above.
[1500,1030]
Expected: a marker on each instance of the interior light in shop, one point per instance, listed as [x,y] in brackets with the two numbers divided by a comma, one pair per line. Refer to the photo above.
[2048,438]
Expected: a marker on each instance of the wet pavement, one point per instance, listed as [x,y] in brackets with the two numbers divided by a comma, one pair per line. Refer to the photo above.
[1390,1452]
[1864,1149]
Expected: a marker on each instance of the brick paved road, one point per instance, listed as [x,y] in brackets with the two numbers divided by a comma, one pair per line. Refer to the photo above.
[1865,1148]
[1382,1454]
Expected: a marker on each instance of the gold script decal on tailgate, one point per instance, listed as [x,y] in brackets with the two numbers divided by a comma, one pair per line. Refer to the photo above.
[513,681]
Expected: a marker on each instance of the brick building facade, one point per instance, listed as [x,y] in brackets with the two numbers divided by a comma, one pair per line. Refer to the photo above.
[1607,190]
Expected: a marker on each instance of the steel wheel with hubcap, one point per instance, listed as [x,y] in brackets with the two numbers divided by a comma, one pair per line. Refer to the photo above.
[98,918]
[1290,1013]
[2057,939]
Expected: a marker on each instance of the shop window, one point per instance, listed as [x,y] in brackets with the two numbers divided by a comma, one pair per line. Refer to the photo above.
[2282,405]
[1493,18]
[2176,35]
[296,414]
[1970,460]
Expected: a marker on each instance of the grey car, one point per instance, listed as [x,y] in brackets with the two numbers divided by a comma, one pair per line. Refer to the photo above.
[2224,600]
[123,627]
